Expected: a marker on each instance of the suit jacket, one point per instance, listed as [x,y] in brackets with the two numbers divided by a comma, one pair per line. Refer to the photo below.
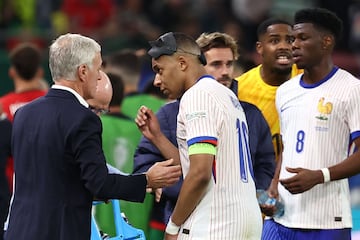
[59,168]
[5,130]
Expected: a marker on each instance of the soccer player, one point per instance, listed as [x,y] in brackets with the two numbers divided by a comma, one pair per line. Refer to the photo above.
[220,51]
[213,144]
[319,119]
[258,85]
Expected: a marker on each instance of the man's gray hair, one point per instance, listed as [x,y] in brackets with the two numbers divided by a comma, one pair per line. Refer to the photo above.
[68,52]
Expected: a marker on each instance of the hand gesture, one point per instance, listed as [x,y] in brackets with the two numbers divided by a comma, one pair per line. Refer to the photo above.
[157,192]
[163,174]
[148,123]
[303,180]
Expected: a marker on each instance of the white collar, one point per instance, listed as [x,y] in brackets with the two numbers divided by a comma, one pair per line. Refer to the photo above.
[77,95]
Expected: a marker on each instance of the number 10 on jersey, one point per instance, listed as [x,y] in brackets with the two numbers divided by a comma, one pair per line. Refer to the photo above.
[244,151]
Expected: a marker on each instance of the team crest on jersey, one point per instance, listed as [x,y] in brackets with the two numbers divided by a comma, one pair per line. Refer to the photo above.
[324,108]
[235,102]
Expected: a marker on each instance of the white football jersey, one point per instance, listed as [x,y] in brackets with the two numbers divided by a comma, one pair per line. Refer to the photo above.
[211,113]
[317,123]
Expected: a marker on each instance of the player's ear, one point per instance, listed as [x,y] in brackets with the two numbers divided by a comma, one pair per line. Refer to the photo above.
[183,62]
[12,72]
[259,48]
[328,42]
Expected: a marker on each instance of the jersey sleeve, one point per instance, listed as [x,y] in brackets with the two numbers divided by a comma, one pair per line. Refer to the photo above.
[201,118]
[353,112]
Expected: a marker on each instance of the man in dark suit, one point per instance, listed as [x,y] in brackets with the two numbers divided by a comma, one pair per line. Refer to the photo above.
[59,162]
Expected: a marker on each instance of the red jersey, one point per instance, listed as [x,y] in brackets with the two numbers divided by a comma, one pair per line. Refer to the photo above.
[13,101]
[10,103]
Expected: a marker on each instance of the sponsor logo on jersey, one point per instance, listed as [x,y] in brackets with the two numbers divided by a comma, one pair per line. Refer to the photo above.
[196,115]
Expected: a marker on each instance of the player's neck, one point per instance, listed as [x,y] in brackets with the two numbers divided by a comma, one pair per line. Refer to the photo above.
[24,86]
[317,73]
[273,78]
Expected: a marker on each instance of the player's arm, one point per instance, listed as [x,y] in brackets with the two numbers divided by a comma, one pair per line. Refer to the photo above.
[349,167]
[195,183]
[305,179]
[273,192]
[148,124]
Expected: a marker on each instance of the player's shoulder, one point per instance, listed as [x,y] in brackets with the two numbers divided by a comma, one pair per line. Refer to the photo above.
[344,75]
[253,72]
[292,82]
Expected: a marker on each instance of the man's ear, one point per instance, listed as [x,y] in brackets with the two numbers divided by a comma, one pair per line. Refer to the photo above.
[82,72]
[40,73]
[183,62]
[259,48]
[12,72]
[328,42]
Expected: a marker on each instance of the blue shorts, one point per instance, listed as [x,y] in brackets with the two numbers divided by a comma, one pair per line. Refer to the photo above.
[275,231]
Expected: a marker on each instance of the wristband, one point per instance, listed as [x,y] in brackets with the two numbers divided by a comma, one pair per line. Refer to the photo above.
[326,174]
[172,228]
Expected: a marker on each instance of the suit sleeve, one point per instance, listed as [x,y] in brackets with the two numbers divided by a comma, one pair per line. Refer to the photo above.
[87,146]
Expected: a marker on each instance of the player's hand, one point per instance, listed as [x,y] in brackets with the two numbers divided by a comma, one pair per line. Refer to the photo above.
[157,192]
[170,237]
[163,174]
[148,123]
[273,189]
[303,180]
[269,210]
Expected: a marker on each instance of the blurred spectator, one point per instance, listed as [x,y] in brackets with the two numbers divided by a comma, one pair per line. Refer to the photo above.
[250,13]
[26,72]
[87,16]
[127,64]
[286,9]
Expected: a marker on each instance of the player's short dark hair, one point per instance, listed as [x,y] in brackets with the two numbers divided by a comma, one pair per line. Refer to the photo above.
[321,18]
[262,28]
[26,59]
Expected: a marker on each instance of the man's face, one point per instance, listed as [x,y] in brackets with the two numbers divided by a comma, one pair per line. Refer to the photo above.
[308,45]
[168,76]
[220,64]
[275,48]
[92,77]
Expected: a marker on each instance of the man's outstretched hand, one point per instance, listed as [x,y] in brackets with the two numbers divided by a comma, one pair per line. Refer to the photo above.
[163,174]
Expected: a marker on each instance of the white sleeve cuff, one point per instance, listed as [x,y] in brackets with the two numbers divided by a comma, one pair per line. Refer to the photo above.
[326,174]
[172,228]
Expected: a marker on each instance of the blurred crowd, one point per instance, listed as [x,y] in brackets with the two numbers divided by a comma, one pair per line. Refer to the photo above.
[131,23]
